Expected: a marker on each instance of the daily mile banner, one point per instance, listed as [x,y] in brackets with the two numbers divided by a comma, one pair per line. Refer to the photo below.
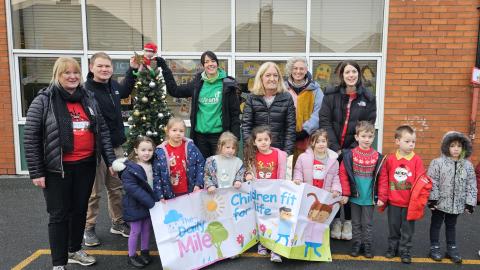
[199,229]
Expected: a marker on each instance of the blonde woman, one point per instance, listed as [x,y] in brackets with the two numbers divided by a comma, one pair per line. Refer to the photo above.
[270,104]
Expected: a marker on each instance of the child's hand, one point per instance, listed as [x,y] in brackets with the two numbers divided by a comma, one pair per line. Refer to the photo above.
[211,189]
[335,194]
[432,205]
[344,200]
[380,203]
[196,188]
[163,201]
[237,184]
[249,176]
[468,209]
[297,181]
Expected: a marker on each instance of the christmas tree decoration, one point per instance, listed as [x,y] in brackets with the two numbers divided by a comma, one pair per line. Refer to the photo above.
[150,111]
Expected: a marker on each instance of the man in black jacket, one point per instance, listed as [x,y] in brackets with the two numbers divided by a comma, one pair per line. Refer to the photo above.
[108,93]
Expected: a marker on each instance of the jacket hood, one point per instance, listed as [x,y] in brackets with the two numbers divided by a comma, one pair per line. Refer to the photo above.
[451,136]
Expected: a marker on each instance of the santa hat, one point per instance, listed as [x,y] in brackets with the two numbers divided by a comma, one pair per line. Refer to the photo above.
[152,47]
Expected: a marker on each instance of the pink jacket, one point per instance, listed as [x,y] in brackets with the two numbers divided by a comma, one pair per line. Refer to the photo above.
[304,170]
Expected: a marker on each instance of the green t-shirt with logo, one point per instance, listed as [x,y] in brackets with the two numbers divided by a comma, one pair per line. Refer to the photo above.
[209,115]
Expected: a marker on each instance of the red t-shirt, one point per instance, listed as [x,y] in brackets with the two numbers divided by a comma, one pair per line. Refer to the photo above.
[318,173]
[351,97]
[267,165]
[83,138]
[178,168]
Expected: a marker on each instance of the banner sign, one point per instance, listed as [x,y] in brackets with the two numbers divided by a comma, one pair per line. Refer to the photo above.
[198,229]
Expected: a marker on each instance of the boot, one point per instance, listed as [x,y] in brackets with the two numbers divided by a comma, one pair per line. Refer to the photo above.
[356,248]
[367,251]
[391,251]
[405,257]
[453,254]
[435,253]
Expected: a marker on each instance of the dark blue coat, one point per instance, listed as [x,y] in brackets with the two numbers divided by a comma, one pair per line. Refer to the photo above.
[139,196]
[161,170]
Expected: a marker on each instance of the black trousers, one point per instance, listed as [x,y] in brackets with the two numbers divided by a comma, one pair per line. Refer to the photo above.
[207,143]
[347,211]
[67,203]
[400,229]
[438,217]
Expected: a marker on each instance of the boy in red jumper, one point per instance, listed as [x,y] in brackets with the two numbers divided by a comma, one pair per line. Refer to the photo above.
[397,177]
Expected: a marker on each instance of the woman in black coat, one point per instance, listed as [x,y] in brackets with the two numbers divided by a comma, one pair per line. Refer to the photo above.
[65,138]
[270,104]
[342,107]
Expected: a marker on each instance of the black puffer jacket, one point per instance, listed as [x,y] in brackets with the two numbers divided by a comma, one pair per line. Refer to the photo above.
[108,97]
[280,117]
[42,138]
[230,101]
[333,114]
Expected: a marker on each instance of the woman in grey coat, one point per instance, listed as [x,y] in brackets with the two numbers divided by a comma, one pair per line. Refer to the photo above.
[454,191]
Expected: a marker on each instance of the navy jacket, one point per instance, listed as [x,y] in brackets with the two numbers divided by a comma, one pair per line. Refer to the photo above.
[139,196]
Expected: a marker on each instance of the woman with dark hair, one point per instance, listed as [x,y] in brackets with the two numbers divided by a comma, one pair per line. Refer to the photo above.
[65,138]
[215,106]
[342,107]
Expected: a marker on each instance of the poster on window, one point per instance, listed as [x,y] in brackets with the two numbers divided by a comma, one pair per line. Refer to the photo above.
[198,229]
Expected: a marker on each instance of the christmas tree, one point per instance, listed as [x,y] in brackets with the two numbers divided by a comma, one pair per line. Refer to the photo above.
[150,111]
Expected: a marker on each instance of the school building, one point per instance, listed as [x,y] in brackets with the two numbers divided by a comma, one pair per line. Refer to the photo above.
[417,56]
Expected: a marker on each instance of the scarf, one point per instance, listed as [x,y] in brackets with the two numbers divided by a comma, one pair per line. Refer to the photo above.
[64,119]
[299,88]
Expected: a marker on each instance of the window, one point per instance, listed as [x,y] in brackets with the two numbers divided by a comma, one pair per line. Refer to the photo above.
[196,26]
[346,26]
[271,26]
[35,74]
[324,73]
[47,24]
[120,25]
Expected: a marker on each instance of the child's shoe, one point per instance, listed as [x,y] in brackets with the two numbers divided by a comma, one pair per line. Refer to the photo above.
[435,253]
[367,251]
[453,254]
[262,250]
[145,256]
[347,230]
[135,261]
[406,257]
[391,251]
[336,232]
[59,267]
[274,257]
[356,247]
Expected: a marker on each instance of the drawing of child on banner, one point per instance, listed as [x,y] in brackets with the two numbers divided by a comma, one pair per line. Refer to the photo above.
[285,224]
[314,231]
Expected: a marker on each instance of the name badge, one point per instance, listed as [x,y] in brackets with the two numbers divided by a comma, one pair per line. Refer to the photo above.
[362,104]
[81,125]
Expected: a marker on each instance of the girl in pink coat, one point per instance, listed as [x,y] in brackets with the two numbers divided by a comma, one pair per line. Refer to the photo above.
[318,166]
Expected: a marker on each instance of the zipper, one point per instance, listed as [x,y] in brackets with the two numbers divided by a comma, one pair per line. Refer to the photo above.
[454,176]
[375,176]
[61,150]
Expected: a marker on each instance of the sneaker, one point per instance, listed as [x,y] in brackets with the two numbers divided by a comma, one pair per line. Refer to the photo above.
[81,257]
[336,232]
[391,252]
[274,257]
[262,250]
[90,238]
[405,257]
[59,267]
[145,256]
[453,254]
[135,261]
[435,253]
[347,230]
[356,248]
[120,228]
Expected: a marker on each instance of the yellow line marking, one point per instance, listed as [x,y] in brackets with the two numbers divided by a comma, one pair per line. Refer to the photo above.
[339,257]
[31,258]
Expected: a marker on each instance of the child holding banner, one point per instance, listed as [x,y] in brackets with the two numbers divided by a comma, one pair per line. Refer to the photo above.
[264,162]
[178,166]
[358,173]
[224,169]
[318,165]
[137,178]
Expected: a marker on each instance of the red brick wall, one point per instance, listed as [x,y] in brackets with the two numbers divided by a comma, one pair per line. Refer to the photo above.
[7,152]
[430,55]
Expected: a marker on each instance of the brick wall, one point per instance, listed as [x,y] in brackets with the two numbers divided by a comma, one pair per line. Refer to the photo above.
[7,152]
[431,52]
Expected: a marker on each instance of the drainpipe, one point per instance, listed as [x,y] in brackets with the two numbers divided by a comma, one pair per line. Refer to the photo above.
[476,88]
